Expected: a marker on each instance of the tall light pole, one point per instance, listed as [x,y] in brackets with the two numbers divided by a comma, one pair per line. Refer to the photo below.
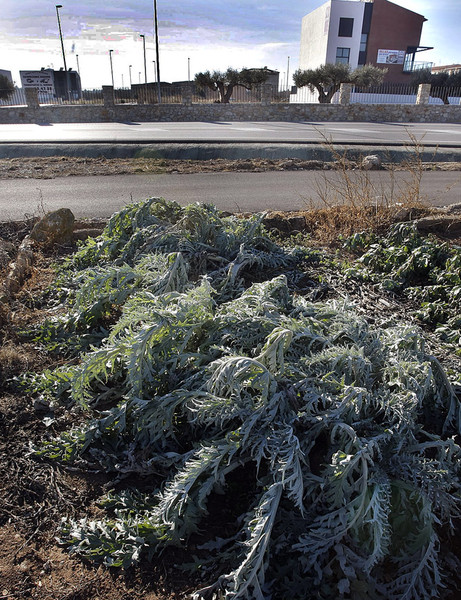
[188,69]
[144,51]
[288,72]
[129,70]
[78,71]
[111,67]
[156,51]
[58,6]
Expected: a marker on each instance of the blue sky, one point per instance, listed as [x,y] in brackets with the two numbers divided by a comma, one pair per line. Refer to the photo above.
[200,34]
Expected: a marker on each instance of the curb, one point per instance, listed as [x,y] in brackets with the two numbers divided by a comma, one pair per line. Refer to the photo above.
[231,151]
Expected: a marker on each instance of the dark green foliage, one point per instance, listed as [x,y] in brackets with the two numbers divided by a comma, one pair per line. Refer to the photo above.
[422,268]
[327,79]
[441,83]
[6,87]
[224,82]
[342,433]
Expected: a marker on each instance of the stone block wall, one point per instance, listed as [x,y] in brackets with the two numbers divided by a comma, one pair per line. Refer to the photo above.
[400,113]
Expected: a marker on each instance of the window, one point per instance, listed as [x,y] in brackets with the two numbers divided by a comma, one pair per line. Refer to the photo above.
[342,55]
[363,42]
[346,26]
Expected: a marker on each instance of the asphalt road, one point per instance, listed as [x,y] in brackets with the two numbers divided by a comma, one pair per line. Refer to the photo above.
[442,134]
[253,192]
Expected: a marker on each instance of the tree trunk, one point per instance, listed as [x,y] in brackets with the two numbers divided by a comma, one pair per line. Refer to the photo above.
[325,96]
[228,94]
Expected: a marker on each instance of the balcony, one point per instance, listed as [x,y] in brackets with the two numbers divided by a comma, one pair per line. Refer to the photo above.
[410,66]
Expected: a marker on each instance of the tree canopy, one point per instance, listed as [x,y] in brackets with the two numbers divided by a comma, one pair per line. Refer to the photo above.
[6,87]
[224,82]
[328,78]
[440,82]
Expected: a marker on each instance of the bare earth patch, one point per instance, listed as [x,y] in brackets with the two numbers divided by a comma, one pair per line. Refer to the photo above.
[35,495]
[64,166]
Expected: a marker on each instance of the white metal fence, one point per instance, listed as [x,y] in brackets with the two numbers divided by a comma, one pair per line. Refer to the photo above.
[386,93]
[174,94]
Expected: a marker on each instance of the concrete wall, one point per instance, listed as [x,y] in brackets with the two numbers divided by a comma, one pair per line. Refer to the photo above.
[353,10]
[233,112]
[314,37]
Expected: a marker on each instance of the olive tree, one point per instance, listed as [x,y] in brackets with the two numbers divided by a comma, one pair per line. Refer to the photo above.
[6,87]
[224,82]
[440,82]
[327,79]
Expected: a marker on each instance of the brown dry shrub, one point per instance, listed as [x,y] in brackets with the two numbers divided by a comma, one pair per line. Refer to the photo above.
[13,360]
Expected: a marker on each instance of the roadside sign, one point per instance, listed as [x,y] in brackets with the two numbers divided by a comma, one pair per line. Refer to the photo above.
[42,80]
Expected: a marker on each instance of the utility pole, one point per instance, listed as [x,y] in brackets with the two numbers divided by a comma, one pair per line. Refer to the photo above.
[111,67]
[288,73]
[58,6]
[144,51]
[157,51]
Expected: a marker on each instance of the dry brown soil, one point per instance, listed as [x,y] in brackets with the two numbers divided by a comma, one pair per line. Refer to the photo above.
[63,166]
[35,495]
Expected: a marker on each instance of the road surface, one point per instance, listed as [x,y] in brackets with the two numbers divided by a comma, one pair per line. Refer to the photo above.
[442,134]
[253,192]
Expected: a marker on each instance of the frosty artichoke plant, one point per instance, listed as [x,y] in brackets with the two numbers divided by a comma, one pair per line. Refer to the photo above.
[333,443]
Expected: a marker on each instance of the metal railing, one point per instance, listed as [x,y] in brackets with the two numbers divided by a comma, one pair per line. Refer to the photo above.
[16,98]
[386,93]
[241,94]
[410,66]
[445,95]
[304,95]
[87,97]
[149,94]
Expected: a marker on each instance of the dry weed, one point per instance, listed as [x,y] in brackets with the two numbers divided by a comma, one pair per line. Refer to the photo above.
[349,199]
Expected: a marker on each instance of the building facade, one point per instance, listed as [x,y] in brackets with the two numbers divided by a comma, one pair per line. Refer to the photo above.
[359,32]
[450,69]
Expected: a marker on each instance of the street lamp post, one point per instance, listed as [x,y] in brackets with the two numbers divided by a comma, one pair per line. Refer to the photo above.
[129,70]
[58,6]
[288,73]
[111,67]
[157,51]
[188,69]
[144,51]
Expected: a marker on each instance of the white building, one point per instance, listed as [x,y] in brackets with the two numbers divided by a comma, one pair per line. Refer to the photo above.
[359,32]
[333,33]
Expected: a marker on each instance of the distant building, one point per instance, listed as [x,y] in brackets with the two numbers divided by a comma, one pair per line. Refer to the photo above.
[53,84]
[6,74]
[359,32]
[272,76]
[450,69]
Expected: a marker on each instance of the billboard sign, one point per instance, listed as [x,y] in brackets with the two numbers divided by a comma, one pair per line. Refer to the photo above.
[42,80]
[391,57]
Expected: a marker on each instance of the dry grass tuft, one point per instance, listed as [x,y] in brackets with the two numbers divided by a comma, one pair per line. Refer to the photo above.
[351,200]
[13,360]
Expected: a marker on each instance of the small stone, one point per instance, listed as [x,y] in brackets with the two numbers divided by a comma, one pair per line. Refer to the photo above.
[84,234]
[371,162]
[55,227]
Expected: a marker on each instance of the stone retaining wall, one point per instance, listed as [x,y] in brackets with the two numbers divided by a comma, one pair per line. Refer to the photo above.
[401,113]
